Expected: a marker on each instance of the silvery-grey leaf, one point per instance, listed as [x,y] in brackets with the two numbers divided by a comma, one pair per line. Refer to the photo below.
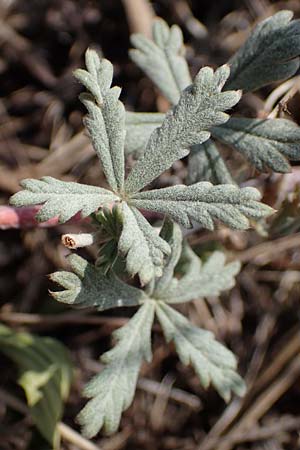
[87,287]
[200,107]
[213,363]
[163,59]
[112,391]
[106,117]
[271,53]
[139,127]
[204,203]
[206,164]
[202,279]
[62,198]
[172,234]
[266,143]
[141,245]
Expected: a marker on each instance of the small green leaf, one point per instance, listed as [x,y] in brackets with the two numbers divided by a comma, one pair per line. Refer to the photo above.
[204,203]
[32,382]
[271,53]
[112,391]
[62,198]
[46,374]
[89,287]
[266,143]
[200,107]
[163,59]
[213,363]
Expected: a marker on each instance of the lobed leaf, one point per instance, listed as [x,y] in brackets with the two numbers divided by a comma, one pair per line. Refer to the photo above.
[206,164]
[271,53]
[106,117]
[112,391]
[141,245]
[214,364]
[200,107]
[163,59]
[201,279]
[266,143]
[204,203]
[89,287]
[62,198]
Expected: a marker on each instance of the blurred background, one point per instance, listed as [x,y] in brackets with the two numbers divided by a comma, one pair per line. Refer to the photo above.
[41,43]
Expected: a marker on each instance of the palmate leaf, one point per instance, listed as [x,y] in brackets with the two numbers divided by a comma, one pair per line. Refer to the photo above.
[112,391]
[204,203]
[201,279]
[266,143]
[213,363]
[200,107]
[163,59]
[141,244]
[106,119]
[45,374]
[271,53]
[206,164]
[87,286]
[61,198]
[139,127]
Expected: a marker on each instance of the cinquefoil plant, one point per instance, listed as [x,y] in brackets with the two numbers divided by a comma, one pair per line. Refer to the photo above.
[201,106]
[113,389]
[168,270]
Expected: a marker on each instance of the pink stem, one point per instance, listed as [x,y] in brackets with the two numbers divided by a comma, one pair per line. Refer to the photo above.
[24,217]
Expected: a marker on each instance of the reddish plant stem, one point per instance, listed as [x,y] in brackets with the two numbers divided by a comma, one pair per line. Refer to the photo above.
[24,217]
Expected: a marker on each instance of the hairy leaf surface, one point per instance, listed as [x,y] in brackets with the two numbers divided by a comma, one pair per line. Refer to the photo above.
[206,164]
[213,363]
[204,203]
[163,59]
[112,391]
[141,245]
[62,198]
[87,286]
[106,119]
[271,53]
[201,279]
[172,234]
[266,143]
[200,107]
